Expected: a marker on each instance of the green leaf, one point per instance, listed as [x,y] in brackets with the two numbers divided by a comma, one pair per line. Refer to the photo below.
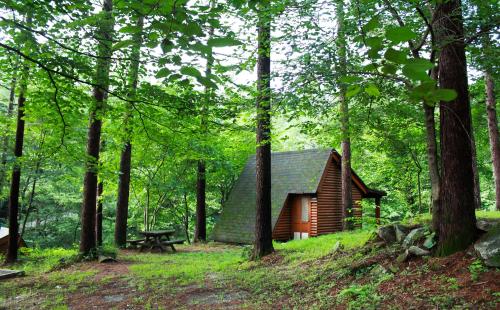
[372,90]
[192,29]
[373,52]
[400,34]
[424,64]
[221,42]
[352,91]
[130,29]
[444,94]
[122,44]
[372,24]
[415,73]
[191,71]
[163,72]
[374,42]
[395,56]
[389,68]
[206,82]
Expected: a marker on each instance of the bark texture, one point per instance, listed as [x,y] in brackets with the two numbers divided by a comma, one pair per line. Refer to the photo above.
[126,154]
[493,134]
[104,51]
[344,123]
[13,206]
[456,217]
[5,142]
[201,225]
[200,232]
[263,226]
[98,216]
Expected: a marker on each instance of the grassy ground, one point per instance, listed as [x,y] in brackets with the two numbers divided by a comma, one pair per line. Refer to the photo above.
[307,274]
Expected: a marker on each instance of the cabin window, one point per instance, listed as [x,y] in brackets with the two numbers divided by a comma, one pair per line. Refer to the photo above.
[305,209]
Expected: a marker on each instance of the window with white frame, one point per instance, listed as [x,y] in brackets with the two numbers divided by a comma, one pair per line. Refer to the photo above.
[305,209]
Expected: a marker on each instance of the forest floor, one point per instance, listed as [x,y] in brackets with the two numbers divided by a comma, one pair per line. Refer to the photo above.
[306,274]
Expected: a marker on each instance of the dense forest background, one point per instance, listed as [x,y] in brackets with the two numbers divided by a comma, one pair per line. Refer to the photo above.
[195,100]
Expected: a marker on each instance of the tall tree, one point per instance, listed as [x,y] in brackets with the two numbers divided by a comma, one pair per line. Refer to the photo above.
[126,154]
[344,120]
[456,217]
[263,226]
[493,133]
[6,136]
[104,52]
[13,205]
[200,233]
[488,63]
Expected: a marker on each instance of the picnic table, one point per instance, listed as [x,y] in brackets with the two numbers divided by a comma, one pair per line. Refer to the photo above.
[158,239]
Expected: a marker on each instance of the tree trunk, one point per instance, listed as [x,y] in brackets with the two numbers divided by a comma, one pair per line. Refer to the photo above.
[186,218]
[346,178]
[475,172]
[200,233]
[13,206]
[32,196]
[126,155]
[200,230]
[105,33]
[5,145]
[432,158]
[98,216]
[493,134]
[263,225]
[456,218]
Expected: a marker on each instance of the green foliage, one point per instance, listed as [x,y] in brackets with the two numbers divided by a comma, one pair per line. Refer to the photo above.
[476,268]
[37,261]
[359,296]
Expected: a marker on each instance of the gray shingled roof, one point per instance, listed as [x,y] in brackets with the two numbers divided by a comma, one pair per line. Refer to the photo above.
[291,172]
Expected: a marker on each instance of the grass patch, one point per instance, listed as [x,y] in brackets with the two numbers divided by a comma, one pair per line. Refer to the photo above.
[426,217]
[37,261]
[184,268]
[314,248]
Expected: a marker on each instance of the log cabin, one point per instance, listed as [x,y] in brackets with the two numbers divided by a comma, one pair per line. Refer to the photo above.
[4,240]
[305,198]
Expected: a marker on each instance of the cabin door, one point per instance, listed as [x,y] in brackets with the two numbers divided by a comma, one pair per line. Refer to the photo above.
[300,217]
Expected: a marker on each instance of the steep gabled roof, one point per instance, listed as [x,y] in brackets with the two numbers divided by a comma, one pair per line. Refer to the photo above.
[297,172]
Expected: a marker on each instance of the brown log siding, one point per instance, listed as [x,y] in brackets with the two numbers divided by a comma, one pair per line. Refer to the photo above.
[330,200]
[282,228]
[325,209]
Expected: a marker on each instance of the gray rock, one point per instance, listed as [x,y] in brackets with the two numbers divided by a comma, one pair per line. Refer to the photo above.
[401,232]
[415,250]
[387,233]
[414,235]
[430,241]
[487,225]
[488,247]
